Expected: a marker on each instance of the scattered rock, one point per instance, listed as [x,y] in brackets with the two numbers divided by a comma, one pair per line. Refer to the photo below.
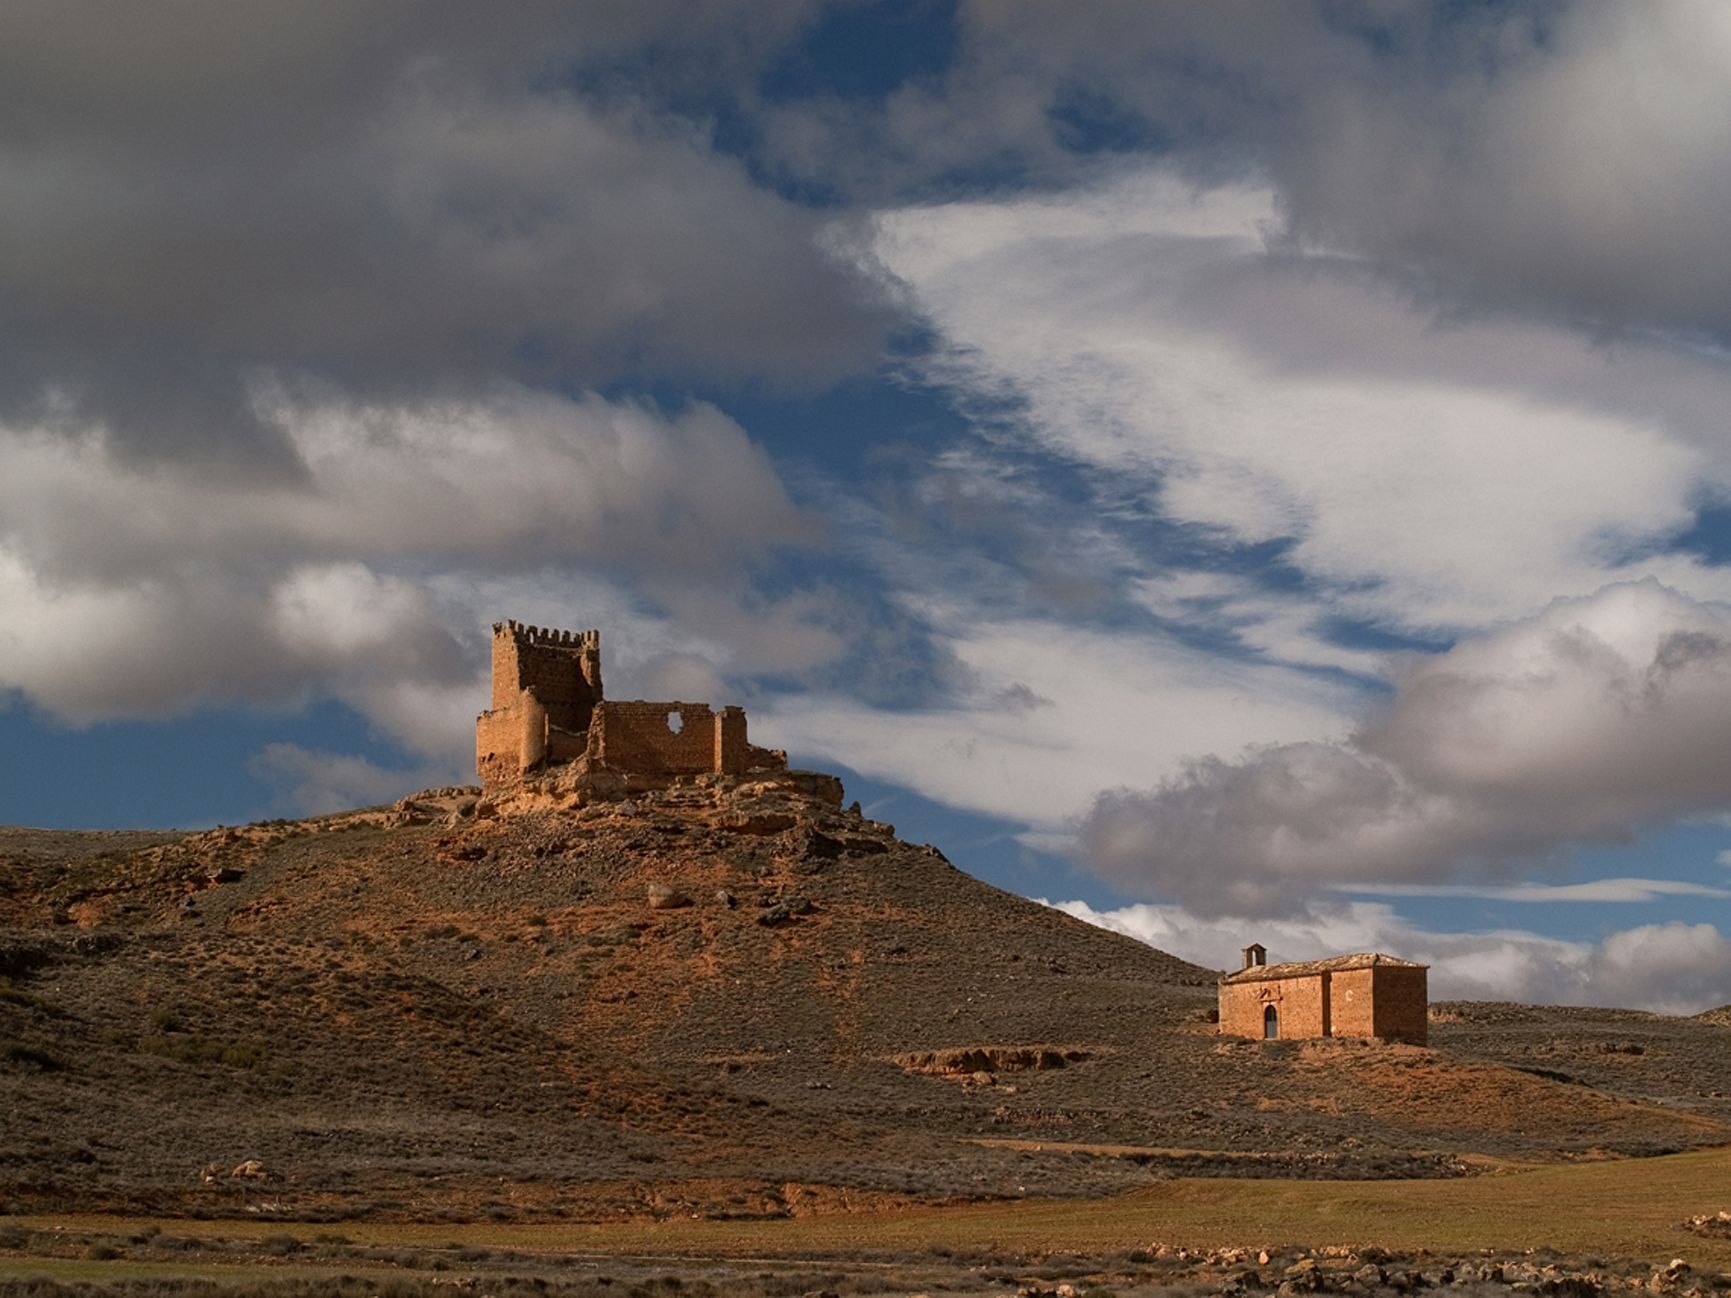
[664,896]
[813,847]
[226,874]
[755,822]
[726,898]
[1714,1225]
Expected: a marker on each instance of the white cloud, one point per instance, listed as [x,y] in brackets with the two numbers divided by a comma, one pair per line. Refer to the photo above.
[1105,707]
[1622,891]
[1556,158]
[406,200]
[1673,968]
[316,783]
[1596,718]
[141,591]
[1282,627]
[1146,331]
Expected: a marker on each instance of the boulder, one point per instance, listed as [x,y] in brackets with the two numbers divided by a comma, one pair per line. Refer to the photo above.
[664,896]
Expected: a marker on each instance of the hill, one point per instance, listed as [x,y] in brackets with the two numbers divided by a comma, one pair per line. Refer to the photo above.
[730,998]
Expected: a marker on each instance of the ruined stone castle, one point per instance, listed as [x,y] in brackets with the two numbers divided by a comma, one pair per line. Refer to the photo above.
[549,718]
[1364,995]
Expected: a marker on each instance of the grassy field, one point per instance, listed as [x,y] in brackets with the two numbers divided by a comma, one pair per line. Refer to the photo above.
[1628,1208]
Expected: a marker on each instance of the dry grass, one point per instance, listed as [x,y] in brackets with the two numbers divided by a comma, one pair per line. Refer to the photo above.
[1620,1207]
[484,1020]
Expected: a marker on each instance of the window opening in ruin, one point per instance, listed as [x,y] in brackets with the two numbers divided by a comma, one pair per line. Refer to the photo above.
[676,721]
[1271,1024]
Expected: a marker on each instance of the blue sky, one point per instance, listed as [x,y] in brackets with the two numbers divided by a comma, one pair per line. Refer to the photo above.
[1225,469]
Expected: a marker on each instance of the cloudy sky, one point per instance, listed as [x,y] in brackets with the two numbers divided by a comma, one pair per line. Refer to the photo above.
[1236,471]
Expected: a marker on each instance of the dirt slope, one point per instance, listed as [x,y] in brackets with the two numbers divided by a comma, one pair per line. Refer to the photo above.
[727,998]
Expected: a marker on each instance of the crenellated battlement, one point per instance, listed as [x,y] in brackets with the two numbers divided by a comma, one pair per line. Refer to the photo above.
[547,637]
[548,710]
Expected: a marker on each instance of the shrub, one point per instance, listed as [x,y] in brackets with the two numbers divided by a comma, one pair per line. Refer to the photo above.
[202,1050]
[18,1052]
[14,995]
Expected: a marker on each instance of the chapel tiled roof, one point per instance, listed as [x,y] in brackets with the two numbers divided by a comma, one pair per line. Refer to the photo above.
[1334,964]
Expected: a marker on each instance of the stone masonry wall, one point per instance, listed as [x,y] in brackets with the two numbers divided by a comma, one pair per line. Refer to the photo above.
[1389,1002]
[1302,1004]
[733,751]
[1402,1004]
[1351,997]
[563,668]
[636,736]
[548,708]
[510,740]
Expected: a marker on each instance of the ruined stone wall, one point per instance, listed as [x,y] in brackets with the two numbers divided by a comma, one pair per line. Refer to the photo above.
[1302,1003]
[548,708]
[563,668]
[637,736]
[1352,1000]
[732,751]
[1402,1004]
[510,740]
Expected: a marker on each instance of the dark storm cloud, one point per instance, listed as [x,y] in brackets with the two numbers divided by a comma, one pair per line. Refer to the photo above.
[393,198]
[1565,158]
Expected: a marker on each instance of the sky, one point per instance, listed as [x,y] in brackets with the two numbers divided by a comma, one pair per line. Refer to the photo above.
[1235,472]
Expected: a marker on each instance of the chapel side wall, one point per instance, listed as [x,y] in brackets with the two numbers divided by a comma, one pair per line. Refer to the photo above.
[1402,1004]
[1301,1002]
[634,736]
[1304,1006]
[1240,1011]
[1352,1001]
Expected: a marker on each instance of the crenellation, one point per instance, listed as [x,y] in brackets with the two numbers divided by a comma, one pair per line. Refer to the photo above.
[548,710]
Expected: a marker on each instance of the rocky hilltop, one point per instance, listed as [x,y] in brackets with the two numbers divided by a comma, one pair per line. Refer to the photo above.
[730,996]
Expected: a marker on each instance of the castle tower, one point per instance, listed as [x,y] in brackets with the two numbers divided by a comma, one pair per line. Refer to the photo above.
[546,684]
[563,668]
[548,713]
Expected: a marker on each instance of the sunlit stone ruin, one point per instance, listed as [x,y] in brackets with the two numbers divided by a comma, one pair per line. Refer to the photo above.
[1364,995]
[550,723]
